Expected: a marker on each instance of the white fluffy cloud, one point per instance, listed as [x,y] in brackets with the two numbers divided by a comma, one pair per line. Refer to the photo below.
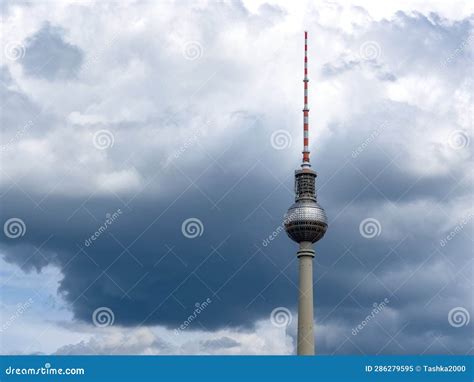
[137,73]
[265,339]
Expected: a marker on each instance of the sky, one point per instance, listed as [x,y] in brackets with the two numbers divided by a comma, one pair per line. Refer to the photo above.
[148,152]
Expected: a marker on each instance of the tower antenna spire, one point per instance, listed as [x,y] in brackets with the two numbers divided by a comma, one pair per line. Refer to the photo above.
[305,108]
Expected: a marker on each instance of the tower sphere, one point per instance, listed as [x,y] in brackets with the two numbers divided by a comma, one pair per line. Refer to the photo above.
[305,221]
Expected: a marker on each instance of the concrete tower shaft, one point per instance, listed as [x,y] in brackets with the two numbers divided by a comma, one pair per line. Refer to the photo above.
[305,340]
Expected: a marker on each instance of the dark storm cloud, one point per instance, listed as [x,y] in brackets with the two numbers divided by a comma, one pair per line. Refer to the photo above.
[145,270]
[178,272]
[49,56]
[161,275]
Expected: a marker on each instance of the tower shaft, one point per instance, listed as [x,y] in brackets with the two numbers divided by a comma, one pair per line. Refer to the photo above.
[305,344]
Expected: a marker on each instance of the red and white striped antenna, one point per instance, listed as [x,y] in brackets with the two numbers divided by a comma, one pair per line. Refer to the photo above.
[305,108]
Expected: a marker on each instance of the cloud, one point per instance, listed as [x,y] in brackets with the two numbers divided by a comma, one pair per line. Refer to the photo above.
[156,341]
[49,56]
[223,342]
[190,137]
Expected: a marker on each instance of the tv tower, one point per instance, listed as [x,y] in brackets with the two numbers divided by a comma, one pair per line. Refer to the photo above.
[306,223]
